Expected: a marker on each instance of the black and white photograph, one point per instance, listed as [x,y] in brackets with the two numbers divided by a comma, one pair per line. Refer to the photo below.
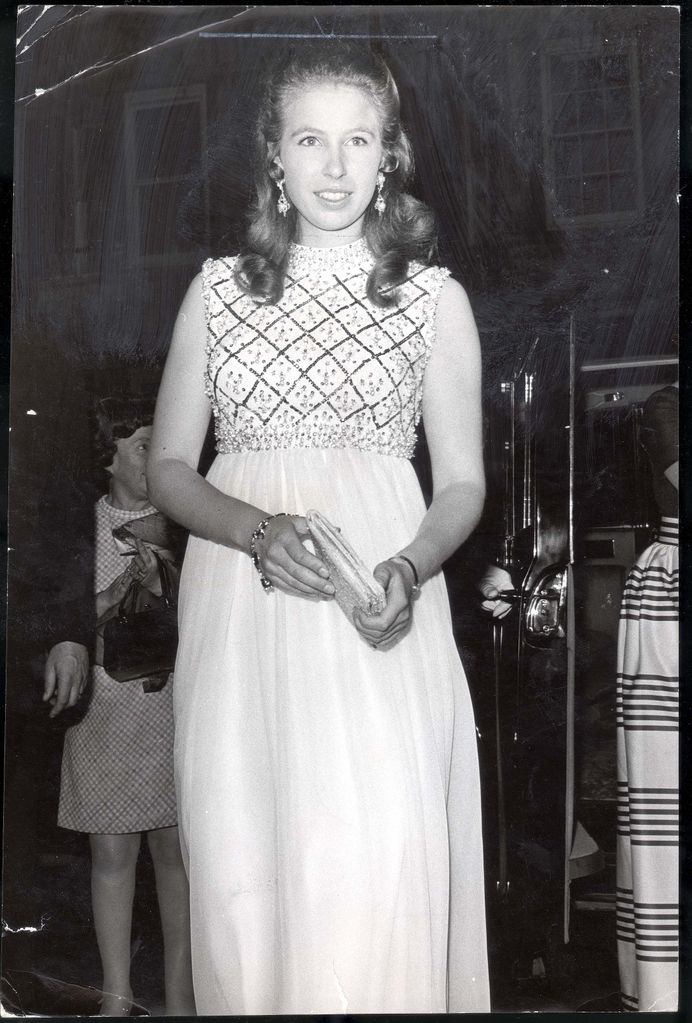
[342,573]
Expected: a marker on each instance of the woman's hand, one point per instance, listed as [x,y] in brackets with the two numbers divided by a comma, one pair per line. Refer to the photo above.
[143,568]
[108,600]
[288,564]
[385,628]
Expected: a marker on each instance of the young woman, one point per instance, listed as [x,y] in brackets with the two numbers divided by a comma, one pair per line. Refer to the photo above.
[117,769]
[326,769]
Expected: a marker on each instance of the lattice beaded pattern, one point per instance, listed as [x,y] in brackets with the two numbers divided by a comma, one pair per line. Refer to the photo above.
[324,367]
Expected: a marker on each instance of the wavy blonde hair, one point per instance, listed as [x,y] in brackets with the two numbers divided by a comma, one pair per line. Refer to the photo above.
[406,230]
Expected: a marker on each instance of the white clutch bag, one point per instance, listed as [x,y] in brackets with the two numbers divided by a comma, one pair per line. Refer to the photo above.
[356,587]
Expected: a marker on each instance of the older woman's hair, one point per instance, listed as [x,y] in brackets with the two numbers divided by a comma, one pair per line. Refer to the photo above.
[405,231]
[116,418]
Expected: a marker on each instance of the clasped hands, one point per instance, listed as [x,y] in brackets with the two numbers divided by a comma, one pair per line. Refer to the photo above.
[144,568]
[289,565]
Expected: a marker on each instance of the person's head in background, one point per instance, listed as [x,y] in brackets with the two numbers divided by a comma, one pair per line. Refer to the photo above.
[123,434]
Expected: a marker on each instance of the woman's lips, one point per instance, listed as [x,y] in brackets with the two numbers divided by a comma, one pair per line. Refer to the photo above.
[333,198]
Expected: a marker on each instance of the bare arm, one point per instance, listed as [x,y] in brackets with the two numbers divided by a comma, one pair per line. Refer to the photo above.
[180,427]
[177,489]
[453,428]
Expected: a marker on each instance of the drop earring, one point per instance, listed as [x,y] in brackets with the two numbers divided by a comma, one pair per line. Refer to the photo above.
[282,203]
[380,204]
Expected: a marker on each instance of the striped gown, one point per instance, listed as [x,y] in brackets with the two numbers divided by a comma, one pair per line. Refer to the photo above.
[647,755]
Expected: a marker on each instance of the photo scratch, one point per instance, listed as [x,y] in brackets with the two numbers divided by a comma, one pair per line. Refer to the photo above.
[28,929]
[102,65]
[62,24]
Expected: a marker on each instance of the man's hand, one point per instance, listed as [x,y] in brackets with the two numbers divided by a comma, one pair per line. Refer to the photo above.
[65,675]
[494,581]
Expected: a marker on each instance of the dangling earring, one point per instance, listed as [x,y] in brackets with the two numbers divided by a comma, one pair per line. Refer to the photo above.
[380,204]
[282,203]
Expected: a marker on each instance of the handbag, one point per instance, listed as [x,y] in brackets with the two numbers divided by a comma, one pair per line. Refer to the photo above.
[142,638]
[155,530]
[356,587]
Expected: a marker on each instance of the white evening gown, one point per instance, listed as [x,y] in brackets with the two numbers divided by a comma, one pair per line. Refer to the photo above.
[328,793]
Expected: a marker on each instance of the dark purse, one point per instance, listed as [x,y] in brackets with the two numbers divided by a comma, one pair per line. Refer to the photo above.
[142,639]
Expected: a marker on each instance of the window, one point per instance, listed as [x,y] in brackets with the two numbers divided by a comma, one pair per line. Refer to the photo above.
[592,134]
[165,147]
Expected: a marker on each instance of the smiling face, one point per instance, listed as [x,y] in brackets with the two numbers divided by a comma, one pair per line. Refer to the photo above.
[128,468]
[330,150]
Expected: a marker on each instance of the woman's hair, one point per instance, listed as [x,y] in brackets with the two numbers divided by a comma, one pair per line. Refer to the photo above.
[405,231]
[117,418]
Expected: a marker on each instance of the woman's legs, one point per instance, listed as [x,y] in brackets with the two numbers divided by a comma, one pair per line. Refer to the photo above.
[113,870]
[174,906]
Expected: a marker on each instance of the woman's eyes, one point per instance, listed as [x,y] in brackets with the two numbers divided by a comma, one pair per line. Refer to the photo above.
[310,141]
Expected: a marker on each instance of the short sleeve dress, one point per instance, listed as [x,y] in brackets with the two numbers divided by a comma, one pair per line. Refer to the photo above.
[328,792]
[117,764]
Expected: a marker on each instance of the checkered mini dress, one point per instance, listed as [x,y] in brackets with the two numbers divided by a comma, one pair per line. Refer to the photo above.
[117,765]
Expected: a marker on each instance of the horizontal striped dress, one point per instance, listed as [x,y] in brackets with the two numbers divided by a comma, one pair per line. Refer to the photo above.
[647,740]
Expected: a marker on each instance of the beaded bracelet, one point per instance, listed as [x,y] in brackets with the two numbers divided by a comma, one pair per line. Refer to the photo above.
[258,534]
[416,584]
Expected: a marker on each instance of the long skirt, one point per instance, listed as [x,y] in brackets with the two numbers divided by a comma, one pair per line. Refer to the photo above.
[647,751]
[328,792]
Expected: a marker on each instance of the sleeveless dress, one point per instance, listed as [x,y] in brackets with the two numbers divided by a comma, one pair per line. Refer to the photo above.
[117,763]
[328,792]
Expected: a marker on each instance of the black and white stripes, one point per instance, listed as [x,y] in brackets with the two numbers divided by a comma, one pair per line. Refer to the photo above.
[648,797]
[647,702]
[652,927]
[648,816]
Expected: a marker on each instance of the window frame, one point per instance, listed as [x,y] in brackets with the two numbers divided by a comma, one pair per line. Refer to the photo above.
[150,99]
[582,48]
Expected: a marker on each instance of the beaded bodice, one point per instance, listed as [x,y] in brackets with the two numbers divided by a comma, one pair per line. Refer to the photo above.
[324,367]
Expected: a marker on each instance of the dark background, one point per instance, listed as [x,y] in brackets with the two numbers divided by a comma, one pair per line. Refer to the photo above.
[546,141]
